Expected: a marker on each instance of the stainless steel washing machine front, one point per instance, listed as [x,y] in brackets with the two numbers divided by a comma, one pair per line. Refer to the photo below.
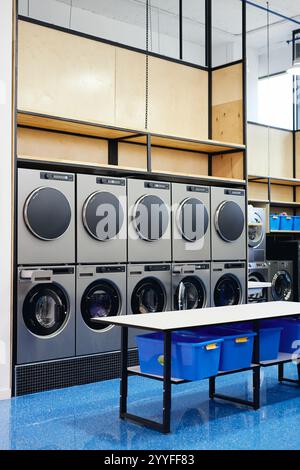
[257,234]
[228,283]
[228,225]
[101,219]
[46,313]
[101,292]
[281,278]
[46,229]
[258,272]
[190,286]
[191,222]
[149,224]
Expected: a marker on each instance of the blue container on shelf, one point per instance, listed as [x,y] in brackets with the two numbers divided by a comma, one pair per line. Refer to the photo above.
[274,222]
[286,222]
[236,349]
[192,357]
[296,225]
[290,334]
[269,340]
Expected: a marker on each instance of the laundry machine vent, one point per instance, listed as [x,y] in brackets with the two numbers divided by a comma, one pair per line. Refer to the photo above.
[42,376]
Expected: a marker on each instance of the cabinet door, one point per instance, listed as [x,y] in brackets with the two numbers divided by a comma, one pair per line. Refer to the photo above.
[178,103]
[65,75]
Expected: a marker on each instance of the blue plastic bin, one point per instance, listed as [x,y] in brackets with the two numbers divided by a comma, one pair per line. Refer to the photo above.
[269,340]
[290,335]
[296,225]
[193,357]
[286,222]
[274,222]
[237,348]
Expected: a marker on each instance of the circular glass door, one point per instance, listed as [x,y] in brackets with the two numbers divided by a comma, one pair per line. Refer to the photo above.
[103,216]
[192,219]
[101,299]
[149,296]
[46,309]
[262,294]
[229,221]
[255,231]
[47,213]
[151,218]
[228,291]
[281,286]
[190,294]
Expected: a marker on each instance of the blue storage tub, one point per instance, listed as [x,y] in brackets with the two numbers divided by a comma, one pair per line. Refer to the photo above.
[290,335]
[193,357]
[296,225]
[269,340]
[274,222]
[237,348]
[286,222]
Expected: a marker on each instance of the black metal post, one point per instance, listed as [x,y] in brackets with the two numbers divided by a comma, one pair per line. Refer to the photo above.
[180,30]
[124,372]
[280,372]
[212,387]
[167,384]
[113,158]
[208,60]
[149,159]
[256,388]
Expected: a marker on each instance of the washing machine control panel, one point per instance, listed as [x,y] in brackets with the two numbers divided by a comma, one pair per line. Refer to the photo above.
[197,189]
[110,269]
[156,268]
[110,181]
[157,185]
[56,177]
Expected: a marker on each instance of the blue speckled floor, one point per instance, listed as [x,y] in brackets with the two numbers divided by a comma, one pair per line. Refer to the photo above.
[86,417]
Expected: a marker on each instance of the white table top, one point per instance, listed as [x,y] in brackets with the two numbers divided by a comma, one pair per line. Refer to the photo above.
[259,285]
[169,321]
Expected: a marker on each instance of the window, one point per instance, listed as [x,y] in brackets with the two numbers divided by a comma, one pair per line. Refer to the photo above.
[275,101]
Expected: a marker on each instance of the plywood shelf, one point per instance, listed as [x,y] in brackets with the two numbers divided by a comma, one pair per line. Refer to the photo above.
[284,204]
[278,181]
[258,201]
[284,231]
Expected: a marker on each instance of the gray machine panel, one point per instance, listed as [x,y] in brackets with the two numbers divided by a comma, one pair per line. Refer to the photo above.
[46,217]
[228,225]
[101,219]
[101,291]
[257,234]
[228,283]
[191,222]
[149,224]
[190,286]
[46,313]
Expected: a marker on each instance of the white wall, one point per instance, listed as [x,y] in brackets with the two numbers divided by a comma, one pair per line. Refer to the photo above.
[5,194]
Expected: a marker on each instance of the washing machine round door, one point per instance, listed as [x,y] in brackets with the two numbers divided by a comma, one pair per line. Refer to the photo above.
[151,218]
[190,294]
[281,286]
[192,219]
[101,299]
[255,231]
[228,291]
[149,296]
[103,215]
[260,295]
[47,213]
[46,309]
[229,221]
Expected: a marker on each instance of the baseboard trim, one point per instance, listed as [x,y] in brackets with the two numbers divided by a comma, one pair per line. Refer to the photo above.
[5,394]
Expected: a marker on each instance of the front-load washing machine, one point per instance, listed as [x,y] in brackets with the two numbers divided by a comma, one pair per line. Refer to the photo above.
[190,286]
[257,234]
[258,272]
[101,219]
[191,222]
[101,292]
[46,230]
[228,224]
[228,284]
[46,313]
[281,278]
[149,224]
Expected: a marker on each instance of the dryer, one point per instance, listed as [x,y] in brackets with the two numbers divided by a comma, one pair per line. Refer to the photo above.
[101,292]
[191,222]
[257,234]
[101,219]
[281,278]
[258,272]
[46,229]
[228,283]
[190,286]
[228,224]
[149,224]
[46,313]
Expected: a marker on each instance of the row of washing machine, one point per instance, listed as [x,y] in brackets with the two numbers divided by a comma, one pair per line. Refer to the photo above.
[67,219]
[58,306]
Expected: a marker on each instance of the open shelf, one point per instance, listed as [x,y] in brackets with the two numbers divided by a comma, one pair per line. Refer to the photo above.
[284,204]
[279,181]
[285,231]
[258,201]
[282,358]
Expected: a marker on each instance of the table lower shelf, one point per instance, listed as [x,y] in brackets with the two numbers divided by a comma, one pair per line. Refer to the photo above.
[281,359]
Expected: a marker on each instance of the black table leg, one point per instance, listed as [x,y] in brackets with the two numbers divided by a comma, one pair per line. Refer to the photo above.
[124,372]
[212,387]
[280,372]
[256,388]
[167,392]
